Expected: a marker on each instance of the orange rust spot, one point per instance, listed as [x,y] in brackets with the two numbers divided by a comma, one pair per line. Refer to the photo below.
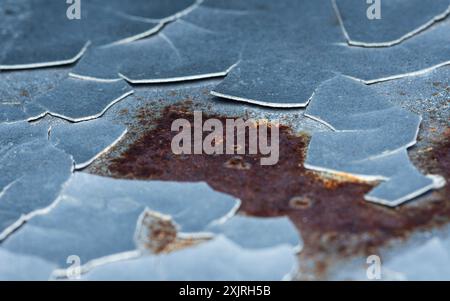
[161,235]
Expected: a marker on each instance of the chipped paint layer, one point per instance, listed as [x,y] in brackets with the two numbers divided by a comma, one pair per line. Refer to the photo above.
[398,20]
[79,100]
[45,36]
[369,140]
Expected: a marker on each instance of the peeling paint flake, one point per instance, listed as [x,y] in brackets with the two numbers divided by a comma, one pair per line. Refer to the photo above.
[390,23]
[347,144]
[85,141]
[19,89]
[79,100]
[279,66]
[47,36]
[176,48]
[369,140]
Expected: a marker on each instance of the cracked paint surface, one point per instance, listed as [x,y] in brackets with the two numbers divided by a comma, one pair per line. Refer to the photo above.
[79,100]
[369,139]
[107,112]
[86,141]
[57,40]
[399,20]
[122,203]
[263,66]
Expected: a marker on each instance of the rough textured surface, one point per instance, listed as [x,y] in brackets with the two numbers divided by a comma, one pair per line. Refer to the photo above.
[273,54]
[369,140]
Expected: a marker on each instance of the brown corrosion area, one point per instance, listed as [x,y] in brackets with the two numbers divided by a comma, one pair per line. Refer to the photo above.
[332,215]
[161,235]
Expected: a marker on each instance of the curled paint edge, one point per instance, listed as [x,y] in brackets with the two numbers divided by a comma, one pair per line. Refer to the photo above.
[403,38]
[399,76]
[145,34]
[360,177]
[305,104]
[47,64]
[381,155]
[262,103]
[227,216]
[61,273]
[97,79]
[79,166]
[87,118]
[180,78]
[136,37]
[436,184]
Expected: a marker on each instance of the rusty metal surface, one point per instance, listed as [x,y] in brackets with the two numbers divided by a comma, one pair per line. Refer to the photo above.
[335,221]
[70,139]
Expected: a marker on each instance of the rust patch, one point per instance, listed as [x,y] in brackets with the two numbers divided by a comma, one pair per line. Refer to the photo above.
[331,213]
[300,202]
[159,235]
[237,162]
[159,232]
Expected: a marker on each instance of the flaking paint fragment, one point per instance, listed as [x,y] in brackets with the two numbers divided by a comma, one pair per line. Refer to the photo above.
[19,89]
[57,40]
[85,141]
[399,20]
[176,48]
[369,140]
[279,66]
[80,100]
[300,70]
